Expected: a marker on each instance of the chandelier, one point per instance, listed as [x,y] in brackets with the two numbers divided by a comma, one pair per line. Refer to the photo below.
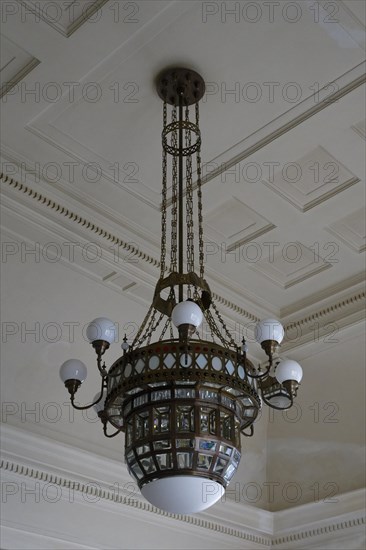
[182,397]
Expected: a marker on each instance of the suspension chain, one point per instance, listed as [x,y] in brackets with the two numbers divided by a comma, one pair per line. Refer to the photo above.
[174,218]
[138,339]
[189,204]
[223,324]
[164,201]
[199,195]
[153,326]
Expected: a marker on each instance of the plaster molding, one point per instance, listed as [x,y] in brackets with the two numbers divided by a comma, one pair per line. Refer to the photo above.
[345,310]
[278,127]
[74,26]
[8,86]
[82,222]
[26,455]
[29,456]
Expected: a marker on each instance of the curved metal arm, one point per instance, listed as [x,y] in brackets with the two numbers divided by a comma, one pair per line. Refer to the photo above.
[249,434]
[255,376]
[105,431]
[85,407]
[274,406]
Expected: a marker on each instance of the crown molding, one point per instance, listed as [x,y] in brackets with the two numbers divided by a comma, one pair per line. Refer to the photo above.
[29,456]
[345,310]
[29,194]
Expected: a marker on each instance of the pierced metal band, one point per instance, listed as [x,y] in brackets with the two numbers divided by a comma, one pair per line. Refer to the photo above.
[185,151]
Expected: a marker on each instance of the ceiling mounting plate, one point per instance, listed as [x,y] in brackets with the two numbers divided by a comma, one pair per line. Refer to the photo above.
[178,82]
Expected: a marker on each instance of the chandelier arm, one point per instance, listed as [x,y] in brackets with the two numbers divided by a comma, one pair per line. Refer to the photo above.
[101,368]
[107,434]
[256,376]
[250,434]
[274,406]
[85,407]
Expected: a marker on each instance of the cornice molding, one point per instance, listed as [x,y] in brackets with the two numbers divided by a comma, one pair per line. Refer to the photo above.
[35,457]
[28,455]
[101,232]
[87,224]
[319,531]
[345,310]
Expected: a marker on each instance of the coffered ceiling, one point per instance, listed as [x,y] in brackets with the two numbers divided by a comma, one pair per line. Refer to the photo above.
[283,131]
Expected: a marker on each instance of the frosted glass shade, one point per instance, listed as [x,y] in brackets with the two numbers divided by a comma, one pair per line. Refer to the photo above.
[101,328]
[288,370]
[73,369]
[269,329]
[183,494]
[187,313]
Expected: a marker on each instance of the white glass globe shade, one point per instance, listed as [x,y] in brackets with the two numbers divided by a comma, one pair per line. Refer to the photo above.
[281,401]
[187,313]
[269,329]
[73,369]
[183,494]
[99,406]
[101,328]
[288,370]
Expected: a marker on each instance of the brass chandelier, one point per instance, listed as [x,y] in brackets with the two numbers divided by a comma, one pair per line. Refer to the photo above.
[181,400]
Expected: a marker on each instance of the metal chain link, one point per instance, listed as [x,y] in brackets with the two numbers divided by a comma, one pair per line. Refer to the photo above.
[174,218]
[164,201]
[189,203]
[199,195]
[154,327]
[223,324]
[148,331]
[210,320]
[219,330]
[165,328]
[137,340]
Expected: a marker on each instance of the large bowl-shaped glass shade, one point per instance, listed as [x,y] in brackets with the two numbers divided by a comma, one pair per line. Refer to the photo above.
[101,328]
[187,313]
[269,329]
[183,494]
[288,370]
[73,369]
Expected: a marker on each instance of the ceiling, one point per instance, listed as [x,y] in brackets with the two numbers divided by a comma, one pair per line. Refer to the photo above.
[283,130]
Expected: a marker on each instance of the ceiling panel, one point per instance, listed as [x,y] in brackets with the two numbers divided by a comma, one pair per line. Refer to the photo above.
[67,16]
[15,64]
